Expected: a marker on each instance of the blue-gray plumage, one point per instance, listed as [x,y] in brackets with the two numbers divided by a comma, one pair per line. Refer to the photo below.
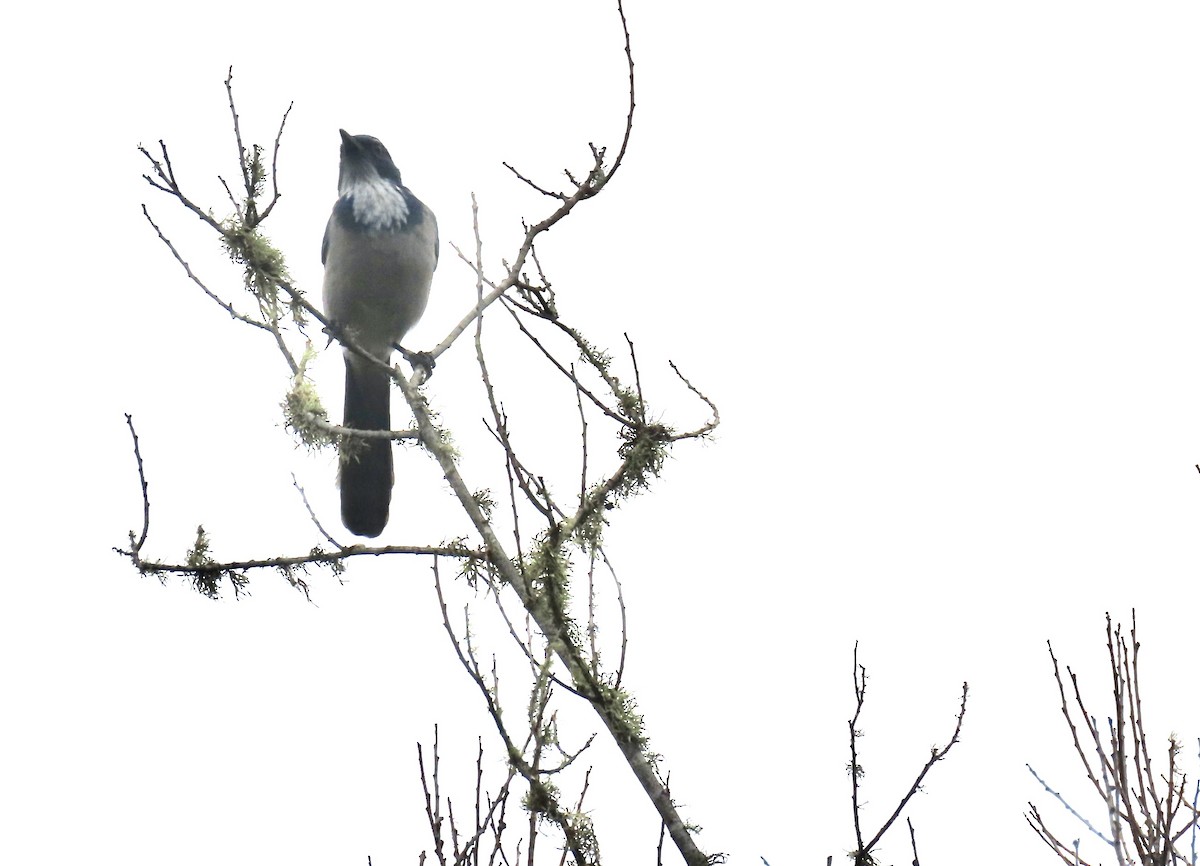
[379,252]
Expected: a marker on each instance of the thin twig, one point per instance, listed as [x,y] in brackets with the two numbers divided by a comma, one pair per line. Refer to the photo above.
[1068,807]
[225,305]
[936,755]
[136,546]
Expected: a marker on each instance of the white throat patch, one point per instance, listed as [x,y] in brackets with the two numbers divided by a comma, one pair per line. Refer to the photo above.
[378,204]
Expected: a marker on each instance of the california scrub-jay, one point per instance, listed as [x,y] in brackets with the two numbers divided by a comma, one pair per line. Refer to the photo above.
[379,253]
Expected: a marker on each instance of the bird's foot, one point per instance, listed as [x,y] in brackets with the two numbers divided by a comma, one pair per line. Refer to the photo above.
[424,360]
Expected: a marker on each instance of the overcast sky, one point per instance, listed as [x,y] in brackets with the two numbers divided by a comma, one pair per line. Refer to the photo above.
[935,262]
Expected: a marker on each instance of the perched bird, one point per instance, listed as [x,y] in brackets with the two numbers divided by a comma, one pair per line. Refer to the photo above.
[379,253]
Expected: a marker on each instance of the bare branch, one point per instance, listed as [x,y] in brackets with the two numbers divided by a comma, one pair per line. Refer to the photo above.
[135,547]
[167,183]
[225,305]
[1142,817]
[935,755]
[863,851]
[1068,807]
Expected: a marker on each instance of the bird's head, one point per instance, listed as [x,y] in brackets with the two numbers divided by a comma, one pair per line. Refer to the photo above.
[364,161]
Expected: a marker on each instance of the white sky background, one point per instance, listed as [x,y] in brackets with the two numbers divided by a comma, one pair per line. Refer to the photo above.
[936,264]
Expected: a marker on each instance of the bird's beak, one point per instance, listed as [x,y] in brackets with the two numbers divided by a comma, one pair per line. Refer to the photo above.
[351,149]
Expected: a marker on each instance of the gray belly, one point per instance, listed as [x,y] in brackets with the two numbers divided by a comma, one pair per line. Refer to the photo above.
[377,283]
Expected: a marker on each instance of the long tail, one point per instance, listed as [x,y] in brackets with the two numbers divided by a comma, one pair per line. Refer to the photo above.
[366,473]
